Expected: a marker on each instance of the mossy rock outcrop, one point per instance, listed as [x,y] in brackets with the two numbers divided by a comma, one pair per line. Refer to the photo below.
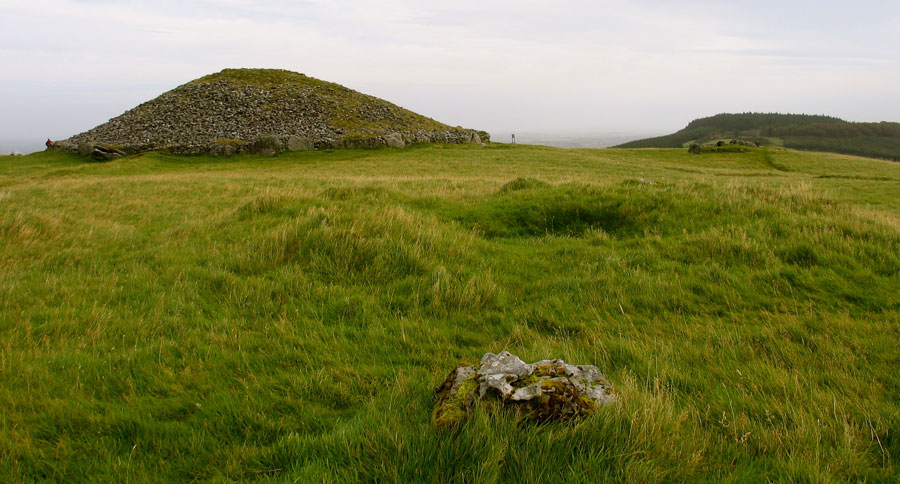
[545,390]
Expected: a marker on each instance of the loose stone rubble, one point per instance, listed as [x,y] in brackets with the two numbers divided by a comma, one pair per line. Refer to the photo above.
[221,117]
[545,390]
[99,152]
[720,146]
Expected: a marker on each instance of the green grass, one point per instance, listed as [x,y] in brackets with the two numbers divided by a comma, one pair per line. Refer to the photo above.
[286,319]
[264,78]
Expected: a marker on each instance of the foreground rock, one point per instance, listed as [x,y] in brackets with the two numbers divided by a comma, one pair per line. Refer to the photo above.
[545,390]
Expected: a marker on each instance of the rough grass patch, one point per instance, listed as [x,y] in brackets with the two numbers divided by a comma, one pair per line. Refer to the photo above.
[311,361]
[562,211]
[356,192]
[522,183]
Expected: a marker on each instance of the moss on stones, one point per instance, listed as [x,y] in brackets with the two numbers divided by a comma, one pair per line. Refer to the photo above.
[456,397]
[546,390]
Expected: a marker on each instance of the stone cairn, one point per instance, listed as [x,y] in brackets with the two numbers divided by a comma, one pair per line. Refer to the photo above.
[545,390]
[221,116]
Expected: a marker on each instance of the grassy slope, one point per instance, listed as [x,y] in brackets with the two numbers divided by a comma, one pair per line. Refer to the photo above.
[675,140]
[875,146]
[285,320]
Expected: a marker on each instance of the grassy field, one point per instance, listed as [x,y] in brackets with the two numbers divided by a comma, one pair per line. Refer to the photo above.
[286,319]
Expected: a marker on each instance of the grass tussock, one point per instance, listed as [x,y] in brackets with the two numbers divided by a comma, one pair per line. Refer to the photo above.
[287,319]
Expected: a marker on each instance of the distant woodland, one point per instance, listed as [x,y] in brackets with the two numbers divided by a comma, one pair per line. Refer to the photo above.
[796,131]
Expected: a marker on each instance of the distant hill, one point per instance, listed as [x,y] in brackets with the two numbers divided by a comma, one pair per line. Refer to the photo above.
[796,131]
[236,107]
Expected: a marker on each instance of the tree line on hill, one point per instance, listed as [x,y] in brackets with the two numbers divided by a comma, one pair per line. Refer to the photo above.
[752,121]
[837,130]
[796,131]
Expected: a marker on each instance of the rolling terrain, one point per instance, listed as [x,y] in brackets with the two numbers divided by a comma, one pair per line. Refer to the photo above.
[796,131]
[189,318]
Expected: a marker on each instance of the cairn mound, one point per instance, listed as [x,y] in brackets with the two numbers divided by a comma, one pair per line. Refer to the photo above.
[232,110]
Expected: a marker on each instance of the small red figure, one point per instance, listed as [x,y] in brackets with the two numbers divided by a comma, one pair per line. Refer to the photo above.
[49,143]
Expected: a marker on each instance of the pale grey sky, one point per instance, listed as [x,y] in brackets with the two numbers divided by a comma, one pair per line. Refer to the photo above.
[601,66]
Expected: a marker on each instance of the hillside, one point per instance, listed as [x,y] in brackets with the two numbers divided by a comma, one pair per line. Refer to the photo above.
[235,107]
[249,319]
[796,131]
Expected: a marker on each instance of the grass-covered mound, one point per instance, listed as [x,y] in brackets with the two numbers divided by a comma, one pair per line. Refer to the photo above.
[796,131]
[287,319]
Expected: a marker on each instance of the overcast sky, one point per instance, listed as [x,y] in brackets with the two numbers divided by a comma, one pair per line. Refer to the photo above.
[637,66]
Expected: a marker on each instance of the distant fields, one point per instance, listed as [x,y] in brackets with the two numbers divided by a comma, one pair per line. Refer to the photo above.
[286,319]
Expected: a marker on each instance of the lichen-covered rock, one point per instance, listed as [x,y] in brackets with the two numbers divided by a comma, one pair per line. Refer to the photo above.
[357,143]
[547,389]
[223,149]
[85,149]
[266,146]
[298,143]
[105,153]
[498,371]
[456,395]
[394,140]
